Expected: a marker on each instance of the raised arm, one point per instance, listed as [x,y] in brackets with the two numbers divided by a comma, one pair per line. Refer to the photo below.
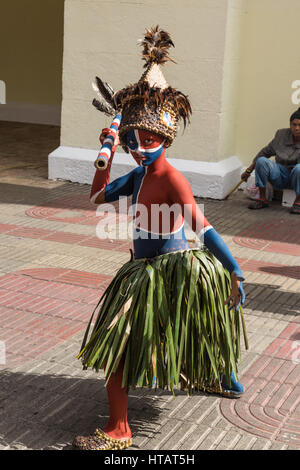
[102,190]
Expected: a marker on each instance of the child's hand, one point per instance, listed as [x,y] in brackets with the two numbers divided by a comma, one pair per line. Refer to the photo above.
[237,294]
[104,133]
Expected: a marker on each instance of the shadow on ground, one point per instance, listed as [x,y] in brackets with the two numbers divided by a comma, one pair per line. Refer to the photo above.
[47,411]
[292,272]
[270,298]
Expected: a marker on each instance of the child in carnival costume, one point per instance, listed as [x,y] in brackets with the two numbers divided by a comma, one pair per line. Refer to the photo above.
[171,317]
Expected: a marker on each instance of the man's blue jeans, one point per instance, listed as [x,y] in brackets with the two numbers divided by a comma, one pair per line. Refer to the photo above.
[279,176]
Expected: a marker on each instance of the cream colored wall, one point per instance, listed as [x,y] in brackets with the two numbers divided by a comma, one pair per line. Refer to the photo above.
[236,59]
[270,63]
[101,39]
[236,16]
[31,40]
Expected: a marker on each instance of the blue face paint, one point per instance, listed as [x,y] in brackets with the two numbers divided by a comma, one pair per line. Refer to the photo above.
[145,144]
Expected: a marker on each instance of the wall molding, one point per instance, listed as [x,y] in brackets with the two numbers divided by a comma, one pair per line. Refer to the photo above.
[31,113]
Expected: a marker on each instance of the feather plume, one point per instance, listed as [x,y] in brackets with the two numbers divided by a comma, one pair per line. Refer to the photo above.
[156,44]
[103,107]
[105,103]
[105,90]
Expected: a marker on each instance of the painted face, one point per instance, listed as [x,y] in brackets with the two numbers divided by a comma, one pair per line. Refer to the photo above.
[145,146]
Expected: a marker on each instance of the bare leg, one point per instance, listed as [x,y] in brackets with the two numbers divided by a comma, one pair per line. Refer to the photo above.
[117,426]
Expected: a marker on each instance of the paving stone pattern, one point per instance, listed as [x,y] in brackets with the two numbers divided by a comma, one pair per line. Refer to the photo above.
[53,269]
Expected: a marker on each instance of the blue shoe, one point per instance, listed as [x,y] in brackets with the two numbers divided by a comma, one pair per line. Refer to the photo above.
[235,390]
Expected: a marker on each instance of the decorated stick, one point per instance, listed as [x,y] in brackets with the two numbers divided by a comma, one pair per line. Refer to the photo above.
[105,152]
[232,191]
[237,185]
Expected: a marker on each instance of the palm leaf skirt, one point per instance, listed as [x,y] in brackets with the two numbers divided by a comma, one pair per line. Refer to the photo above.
[165,318]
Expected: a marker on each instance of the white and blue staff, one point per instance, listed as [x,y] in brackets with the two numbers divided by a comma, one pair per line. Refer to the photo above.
[105,152]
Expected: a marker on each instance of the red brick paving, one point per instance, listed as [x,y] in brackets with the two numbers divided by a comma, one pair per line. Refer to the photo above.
[125,246]
[29,232]
[118,245]
[274,230]
[271,236]
[4,228]
[271,268]
[270,406]
[283,248]
[55,210]
[66,276]
[263,245]
[65,237]
[40,308]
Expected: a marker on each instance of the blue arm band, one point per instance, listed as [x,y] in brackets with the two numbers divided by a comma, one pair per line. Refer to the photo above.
[217,246]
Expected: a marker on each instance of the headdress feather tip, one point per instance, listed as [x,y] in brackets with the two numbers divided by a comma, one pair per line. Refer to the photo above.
[156,45]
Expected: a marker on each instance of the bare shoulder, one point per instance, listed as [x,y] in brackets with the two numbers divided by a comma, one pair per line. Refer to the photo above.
[175,177]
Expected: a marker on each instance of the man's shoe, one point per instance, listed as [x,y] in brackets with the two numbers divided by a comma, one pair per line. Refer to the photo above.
[258,204]
[296,208]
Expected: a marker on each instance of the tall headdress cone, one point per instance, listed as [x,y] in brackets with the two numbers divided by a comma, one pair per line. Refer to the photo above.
[150,104]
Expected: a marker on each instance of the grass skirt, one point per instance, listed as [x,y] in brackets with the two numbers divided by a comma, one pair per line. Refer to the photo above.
[165,317]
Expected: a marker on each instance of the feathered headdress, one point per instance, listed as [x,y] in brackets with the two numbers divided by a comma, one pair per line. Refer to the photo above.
[150,104]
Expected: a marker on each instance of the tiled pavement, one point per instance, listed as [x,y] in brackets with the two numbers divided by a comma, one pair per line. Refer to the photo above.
[53,268]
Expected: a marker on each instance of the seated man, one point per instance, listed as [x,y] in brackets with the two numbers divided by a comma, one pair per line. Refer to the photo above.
[284,173]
